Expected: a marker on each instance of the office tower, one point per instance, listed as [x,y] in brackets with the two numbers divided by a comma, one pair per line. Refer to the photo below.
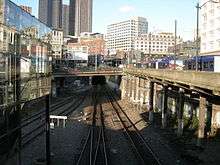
[72,15]
[65,20]
[80,16]
[121,35]
[50,13]
[44,11]
[56,14]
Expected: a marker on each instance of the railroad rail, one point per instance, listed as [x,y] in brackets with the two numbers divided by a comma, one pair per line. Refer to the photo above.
[38,129]
[94,148]
[143,151]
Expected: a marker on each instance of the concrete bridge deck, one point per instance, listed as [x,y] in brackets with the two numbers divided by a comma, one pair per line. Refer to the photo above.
[88,73]
[203,81]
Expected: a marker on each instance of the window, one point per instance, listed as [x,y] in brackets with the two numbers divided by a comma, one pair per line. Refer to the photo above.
[204,17]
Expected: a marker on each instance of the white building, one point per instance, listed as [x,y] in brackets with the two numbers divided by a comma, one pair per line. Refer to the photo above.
[155,43]
[57,43]
[120,36]
[210,28]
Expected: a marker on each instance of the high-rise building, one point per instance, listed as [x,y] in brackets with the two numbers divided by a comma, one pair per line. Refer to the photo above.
[50,13]
[44,10]
[121,35]
[210,28]
[72,15]
[65,20]
[28,9]
[57,14]
[80,16]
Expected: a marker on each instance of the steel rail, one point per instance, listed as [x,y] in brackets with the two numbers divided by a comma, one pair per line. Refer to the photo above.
[111,99]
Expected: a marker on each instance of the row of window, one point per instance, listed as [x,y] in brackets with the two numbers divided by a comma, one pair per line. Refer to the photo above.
[161,43]
[153,50]
[151,46]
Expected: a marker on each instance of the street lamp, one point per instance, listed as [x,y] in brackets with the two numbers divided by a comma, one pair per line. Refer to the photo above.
[197,28]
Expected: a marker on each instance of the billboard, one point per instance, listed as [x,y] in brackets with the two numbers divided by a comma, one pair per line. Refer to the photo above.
[78,56]
[25,65]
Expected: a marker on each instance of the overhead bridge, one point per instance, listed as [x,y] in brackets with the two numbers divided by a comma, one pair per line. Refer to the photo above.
[204,82]
[88,73]
[199,91]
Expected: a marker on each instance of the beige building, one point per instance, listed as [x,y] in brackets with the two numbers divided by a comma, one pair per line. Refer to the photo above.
[155,43]
[121,35]
[210,28]
[57,43]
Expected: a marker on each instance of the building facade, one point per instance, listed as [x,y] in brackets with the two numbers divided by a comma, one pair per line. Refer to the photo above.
[50,13]
[121,36]
[210,28]
[65,20]
[28,9]
[72,16]
[187,49]
[23,36]
[57,44]
[155,43]
[83,16]
[44,12]
[24,66]
[91,43]
[57,6]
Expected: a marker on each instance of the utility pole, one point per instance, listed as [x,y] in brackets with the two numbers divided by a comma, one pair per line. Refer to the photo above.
[197,35]
[96,62]
[175,45]
[149,44]
[47,99]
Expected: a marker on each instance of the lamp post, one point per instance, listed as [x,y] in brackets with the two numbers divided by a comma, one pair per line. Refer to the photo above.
[197,28]
[175,45]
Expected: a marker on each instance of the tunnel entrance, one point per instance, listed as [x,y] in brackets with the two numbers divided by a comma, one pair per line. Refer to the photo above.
[98,80]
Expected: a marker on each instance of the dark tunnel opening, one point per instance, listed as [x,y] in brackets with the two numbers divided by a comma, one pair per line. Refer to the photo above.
[98,80]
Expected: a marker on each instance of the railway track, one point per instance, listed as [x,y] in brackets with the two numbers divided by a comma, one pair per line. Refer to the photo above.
[142,150]
[38,130]
[94,148]
[35,117]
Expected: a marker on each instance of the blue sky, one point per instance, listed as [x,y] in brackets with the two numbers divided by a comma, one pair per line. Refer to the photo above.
[159,13]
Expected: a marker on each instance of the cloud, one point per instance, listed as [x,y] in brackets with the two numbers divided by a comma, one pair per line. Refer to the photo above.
[126,9]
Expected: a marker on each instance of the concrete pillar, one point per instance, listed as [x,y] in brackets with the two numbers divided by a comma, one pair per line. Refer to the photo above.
[139,90]
[180,112]
[127,87]
[209,119]
[142,98]
[123,87]
[151,101]
[164,106]
[54,89]
[192,107]
[202,111]
[155,96]
[133,95]
[130,86]
[135,88]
